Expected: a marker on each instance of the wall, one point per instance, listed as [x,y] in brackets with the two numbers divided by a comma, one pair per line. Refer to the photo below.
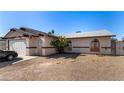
[2,44]
[119,48]
[32,46]
[35,46]
[48,48]
[39,46]
[105,44]
[84,44]
[48,51]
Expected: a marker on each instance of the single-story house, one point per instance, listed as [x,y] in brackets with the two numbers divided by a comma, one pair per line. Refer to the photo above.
[27,41]
[30,42]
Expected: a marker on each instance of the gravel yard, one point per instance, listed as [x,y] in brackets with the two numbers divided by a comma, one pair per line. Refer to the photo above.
[66,67]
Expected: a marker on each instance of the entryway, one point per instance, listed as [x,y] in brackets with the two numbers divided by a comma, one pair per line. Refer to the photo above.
[95,45]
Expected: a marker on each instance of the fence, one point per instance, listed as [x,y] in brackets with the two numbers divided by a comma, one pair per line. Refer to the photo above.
[2,44]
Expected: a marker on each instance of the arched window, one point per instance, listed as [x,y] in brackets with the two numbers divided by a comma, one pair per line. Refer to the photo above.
[39,43]
[95,45]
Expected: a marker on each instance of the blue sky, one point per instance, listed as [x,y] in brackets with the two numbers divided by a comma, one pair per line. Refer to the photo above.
[64,22]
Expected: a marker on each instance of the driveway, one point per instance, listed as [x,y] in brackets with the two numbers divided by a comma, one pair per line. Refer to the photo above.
[4,62]
[66,67]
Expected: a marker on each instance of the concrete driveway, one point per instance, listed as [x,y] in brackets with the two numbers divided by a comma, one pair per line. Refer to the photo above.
[4,62]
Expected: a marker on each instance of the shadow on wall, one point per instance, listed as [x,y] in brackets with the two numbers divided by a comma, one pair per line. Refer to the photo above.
[64,55]
[4,62]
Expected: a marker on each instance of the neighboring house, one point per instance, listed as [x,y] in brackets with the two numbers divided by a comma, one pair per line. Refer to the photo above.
[98,42]
[28,41]
[2,44]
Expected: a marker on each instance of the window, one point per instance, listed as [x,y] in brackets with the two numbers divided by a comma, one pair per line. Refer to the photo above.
[39,42]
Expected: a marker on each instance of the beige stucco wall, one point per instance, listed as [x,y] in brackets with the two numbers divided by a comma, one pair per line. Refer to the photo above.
[35,46]
[119,48]
[49,49]
[27,49]
[48,41]
[105,42]
[32,46]
[41,46]
[85,42]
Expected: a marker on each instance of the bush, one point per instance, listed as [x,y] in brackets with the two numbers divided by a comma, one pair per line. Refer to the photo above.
[60,44]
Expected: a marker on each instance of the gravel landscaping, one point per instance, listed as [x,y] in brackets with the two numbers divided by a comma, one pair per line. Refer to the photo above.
[76,67]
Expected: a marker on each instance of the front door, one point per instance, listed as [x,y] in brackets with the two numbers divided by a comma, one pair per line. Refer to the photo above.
[95,45]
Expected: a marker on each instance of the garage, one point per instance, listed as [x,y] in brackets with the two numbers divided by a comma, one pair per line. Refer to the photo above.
[18,45]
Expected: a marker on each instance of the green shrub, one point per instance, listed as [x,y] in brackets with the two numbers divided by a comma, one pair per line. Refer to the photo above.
[60,44]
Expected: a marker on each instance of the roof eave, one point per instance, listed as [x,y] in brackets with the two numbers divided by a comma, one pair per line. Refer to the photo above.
[90,36]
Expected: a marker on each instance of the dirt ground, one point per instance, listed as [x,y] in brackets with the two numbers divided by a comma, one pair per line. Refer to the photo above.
[76,67]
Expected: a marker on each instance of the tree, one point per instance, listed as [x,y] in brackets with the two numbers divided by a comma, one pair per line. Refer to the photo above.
[51,32]
[61,43]
[78,31]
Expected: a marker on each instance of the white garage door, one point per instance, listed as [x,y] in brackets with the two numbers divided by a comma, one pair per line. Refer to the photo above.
[19,46]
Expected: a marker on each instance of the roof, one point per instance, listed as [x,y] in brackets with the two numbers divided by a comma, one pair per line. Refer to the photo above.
[99,33]
[23,31]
